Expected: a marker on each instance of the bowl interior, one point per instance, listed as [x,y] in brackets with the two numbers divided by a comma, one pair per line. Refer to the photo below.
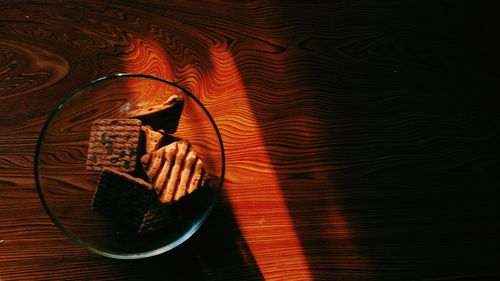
[66,187]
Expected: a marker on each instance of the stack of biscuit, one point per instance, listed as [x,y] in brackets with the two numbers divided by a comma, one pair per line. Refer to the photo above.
[143,168]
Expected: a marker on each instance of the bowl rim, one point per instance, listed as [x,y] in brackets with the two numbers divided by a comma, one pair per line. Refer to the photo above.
[74,237]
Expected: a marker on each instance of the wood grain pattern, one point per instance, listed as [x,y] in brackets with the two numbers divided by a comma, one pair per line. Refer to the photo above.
[361,136]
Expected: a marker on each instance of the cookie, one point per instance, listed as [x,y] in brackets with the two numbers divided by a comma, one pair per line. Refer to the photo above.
[164,117]
[113,144]
[159,216]
[167,216]
[151,139]
[174,170]
[123,197]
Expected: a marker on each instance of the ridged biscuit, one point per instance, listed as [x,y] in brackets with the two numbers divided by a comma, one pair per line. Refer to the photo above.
[174,170]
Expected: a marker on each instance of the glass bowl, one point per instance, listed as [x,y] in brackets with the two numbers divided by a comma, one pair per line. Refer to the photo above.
[66,187]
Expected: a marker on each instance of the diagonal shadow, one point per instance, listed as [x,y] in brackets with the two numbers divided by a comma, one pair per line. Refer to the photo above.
[369,131]
[216,251]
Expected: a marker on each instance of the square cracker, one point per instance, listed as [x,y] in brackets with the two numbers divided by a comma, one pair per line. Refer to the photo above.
[123,197]
[113,144]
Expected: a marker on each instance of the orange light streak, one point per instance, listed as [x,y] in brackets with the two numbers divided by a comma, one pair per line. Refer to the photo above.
[251,183]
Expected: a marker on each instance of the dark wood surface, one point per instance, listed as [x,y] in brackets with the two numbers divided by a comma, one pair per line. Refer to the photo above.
[361,136]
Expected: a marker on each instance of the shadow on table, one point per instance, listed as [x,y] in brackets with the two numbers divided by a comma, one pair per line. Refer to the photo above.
[217,251]
[400,122]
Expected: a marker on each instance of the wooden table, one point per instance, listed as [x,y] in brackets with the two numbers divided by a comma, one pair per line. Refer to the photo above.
[361,136]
